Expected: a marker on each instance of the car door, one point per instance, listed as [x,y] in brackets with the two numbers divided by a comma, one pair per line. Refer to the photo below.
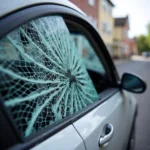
[55,94]
[37,62]
[108,124]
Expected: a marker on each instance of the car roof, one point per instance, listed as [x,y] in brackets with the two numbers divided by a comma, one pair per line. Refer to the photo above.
[8,6]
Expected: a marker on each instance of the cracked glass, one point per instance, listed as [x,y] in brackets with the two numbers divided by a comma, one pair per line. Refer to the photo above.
[43,78]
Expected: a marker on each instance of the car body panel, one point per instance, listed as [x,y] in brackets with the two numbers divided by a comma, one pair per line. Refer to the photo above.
[7,7]
[67,139]
[119,111]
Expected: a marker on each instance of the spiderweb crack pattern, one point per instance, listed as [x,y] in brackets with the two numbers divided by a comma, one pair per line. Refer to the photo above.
[42,76]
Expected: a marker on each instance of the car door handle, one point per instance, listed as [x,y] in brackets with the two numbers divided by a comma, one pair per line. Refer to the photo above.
[107,134]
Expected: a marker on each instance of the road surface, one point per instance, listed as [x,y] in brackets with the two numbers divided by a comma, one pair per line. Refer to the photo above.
[141,68]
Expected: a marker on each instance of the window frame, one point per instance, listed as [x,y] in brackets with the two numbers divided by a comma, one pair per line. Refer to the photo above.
[104,27]
[19,17]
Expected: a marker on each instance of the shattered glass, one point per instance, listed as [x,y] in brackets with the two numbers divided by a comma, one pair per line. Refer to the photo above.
[42,77]
[89,56]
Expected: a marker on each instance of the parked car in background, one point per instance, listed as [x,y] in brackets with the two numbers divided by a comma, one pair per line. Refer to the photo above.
[59,88]
[146,54]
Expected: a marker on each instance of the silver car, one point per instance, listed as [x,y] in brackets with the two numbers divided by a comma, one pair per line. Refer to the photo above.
[59,88]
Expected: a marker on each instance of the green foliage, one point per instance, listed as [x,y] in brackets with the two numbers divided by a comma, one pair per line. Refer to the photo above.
[148,37]
[143,41]
[143,44]
[148,28]
[148,40]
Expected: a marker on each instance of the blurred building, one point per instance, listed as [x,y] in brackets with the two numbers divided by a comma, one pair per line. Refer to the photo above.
[90,7]
[133,46]
[121,42]
[114,31]
[99,13]
[106,22]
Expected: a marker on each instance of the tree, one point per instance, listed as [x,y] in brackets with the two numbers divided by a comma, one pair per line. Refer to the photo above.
[148,37]
[148,28]
[142,44]
[143,41]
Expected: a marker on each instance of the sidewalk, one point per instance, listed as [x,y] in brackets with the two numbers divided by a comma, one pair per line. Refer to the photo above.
[120,61]
[140,58]
[133,58]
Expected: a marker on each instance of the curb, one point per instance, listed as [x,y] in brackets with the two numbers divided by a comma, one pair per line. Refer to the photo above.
[140,58]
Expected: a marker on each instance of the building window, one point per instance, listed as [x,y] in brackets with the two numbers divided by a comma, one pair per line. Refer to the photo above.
[125,33]
[109,29]
[104,5]
[110,9]
[104,27]
[91,2]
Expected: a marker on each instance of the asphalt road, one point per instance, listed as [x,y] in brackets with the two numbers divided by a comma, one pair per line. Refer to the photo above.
[141,68]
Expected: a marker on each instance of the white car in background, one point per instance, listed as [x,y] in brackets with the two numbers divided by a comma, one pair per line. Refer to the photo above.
[59,88]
